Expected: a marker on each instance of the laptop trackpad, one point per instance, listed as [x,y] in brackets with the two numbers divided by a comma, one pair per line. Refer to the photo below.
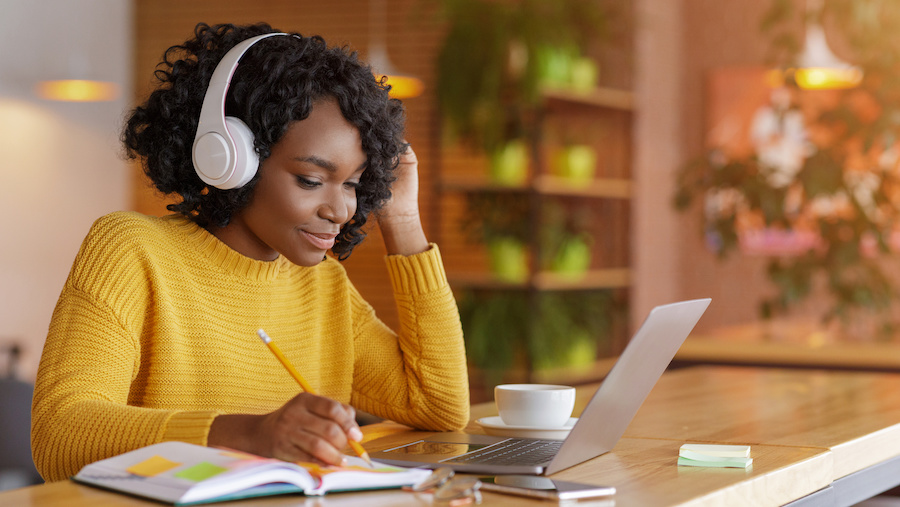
[439,446]
[464,438]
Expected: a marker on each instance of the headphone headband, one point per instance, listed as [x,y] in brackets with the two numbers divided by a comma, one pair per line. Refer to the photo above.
[223,153]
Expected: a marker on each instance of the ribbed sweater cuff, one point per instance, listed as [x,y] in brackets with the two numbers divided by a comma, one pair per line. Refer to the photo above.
[421,273]
[191,427]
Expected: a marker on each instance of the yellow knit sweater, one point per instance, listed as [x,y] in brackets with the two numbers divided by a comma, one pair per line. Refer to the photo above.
[154,335]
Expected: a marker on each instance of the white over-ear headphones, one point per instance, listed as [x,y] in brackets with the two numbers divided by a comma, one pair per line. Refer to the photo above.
[223,152]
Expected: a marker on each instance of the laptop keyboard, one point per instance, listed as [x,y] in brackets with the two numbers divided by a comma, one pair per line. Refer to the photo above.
[525,452]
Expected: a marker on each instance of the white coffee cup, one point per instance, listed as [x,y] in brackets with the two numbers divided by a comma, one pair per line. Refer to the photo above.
[534,405]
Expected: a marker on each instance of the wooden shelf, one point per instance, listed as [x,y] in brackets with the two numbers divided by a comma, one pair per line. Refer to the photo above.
[612,188]
[615,278]
[601,119]
[481,281]
[598,97]
[477,183]
[615,188]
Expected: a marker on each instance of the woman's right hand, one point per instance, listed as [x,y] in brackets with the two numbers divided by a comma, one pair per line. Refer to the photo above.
[306,428]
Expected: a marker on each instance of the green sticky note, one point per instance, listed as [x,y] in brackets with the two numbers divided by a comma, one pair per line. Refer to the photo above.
[696,456]
[200,471]
[731,463]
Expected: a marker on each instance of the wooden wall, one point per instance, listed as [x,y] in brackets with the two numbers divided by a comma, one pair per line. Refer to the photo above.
[412,41]
[413,37]
[717,34]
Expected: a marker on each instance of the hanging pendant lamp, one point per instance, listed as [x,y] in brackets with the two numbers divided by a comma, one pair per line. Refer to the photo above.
[818,67]
[77,90]
[402,85]
[75,74]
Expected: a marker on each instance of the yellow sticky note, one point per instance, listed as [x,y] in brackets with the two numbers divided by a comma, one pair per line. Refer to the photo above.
[152,466]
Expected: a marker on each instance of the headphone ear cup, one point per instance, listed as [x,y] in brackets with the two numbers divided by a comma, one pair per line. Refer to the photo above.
[215,161]
[213,157]
[246,158]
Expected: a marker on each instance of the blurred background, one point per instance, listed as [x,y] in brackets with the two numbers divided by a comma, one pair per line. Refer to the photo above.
[581,162]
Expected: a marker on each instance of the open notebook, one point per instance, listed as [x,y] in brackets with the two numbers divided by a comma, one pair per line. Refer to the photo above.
[184,474]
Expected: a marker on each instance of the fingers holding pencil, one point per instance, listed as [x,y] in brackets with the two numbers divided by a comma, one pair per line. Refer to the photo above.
[308,428]
[351,430]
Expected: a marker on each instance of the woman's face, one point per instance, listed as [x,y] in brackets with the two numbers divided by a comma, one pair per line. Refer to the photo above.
[305,193]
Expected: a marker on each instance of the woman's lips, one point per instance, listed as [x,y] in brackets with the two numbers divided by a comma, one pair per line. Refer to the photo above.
[323,241]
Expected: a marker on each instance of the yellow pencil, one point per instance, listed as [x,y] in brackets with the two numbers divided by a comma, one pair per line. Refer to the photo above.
[305,386]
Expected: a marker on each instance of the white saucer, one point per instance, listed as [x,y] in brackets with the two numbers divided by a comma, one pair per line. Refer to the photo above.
[495,426]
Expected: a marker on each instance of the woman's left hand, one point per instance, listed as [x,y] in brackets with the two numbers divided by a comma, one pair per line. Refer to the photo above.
[404,202]
[399,220]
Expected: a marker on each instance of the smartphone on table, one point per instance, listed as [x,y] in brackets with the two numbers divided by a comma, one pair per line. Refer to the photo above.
[543,487]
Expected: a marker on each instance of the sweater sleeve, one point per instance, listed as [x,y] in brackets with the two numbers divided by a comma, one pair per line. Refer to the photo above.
[80,412]
[417,376]
[80,409]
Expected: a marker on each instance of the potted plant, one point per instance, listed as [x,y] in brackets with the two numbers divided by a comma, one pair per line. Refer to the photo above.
[576,163]
[565,243]
[495,331]
[501,223]
[843,194]
[570,329]
[514,331]
[497,56]
[509,163]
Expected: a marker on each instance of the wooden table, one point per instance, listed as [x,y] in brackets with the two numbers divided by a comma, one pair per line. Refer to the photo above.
[822,437]
[854,415]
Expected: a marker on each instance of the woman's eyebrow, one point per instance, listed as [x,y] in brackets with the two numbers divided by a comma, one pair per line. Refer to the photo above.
[326,164]
[319,161]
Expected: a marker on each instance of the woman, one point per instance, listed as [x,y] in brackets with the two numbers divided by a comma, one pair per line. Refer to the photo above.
[154,335]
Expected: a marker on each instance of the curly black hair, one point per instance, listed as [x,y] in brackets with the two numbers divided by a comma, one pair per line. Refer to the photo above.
[277,83]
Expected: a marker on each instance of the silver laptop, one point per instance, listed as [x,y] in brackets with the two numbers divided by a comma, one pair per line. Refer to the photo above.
[601,425]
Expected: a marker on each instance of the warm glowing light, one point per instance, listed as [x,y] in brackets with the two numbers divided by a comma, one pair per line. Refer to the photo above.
[818,67]
[824,78]
[78,90]
[404,87]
